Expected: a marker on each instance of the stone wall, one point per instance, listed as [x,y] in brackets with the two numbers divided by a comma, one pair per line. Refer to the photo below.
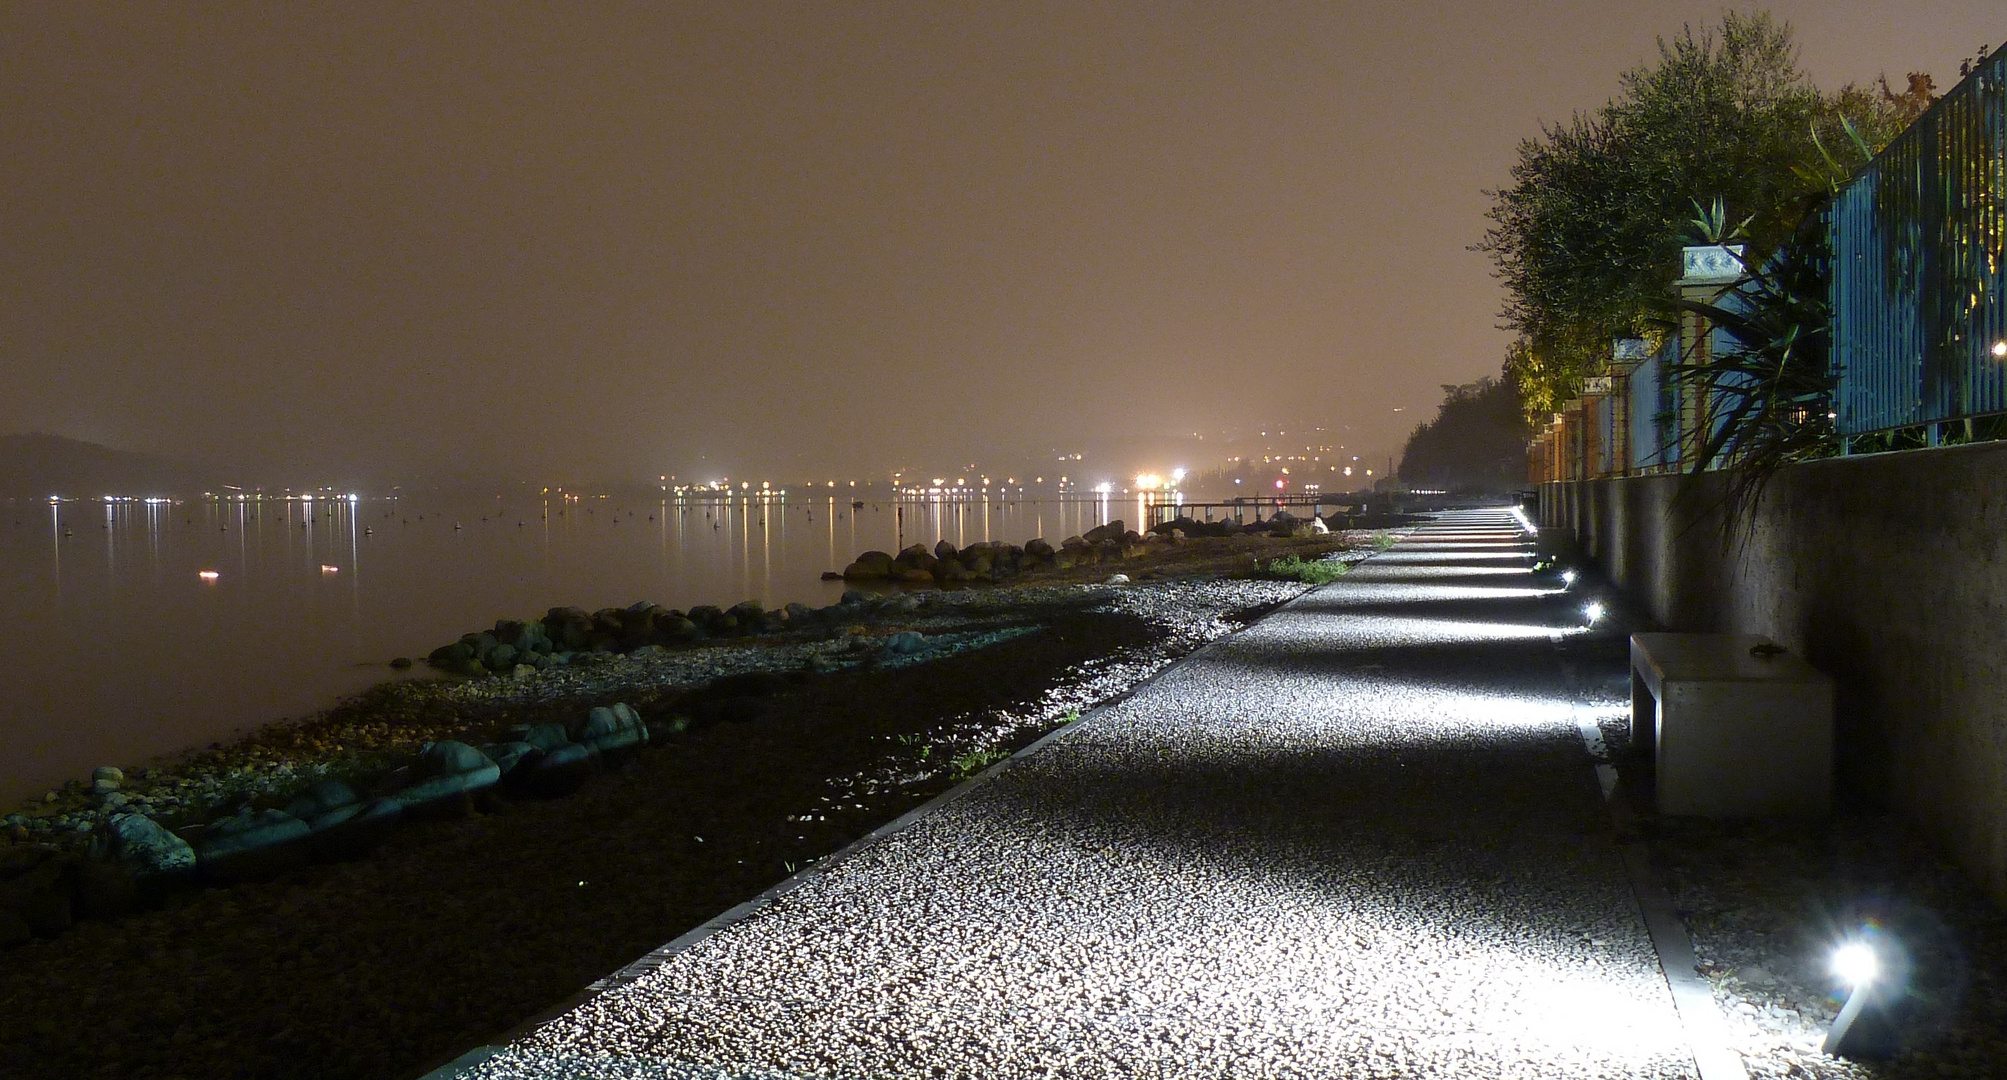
[1887,571]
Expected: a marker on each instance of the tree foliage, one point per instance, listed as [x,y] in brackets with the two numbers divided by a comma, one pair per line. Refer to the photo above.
[1587,237]
[1477,440]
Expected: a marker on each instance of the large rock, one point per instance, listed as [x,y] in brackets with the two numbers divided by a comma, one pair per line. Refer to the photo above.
[541,736]
[352,831]
[569,628]
[322,797]
[675,626]
[871,565]
[251,846]
[1286,524]
[454,657]
[445,774]
[135,861]
[904,643]
[1111,531]
[915,564]
[945,550]
[508,756]
[558,772]
[342,824]
[524,637]
[611,730]
[1038,549]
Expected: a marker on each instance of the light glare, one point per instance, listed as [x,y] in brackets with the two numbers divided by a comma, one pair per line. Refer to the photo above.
[1856,964]
[1594,612]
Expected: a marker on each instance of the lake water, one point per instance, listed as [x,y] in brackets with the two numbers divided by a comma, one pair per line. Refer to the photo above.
[120,649]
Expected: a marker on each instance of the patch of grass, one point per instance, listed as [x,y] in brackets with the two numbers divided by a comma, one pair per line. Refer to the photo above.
[1308,571]
[976,761]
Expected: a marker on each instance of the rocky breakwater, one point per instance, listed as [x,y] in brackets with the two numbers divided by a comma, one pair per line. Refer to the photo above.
[995,561]
[992,561]
[565,635]
[131,862]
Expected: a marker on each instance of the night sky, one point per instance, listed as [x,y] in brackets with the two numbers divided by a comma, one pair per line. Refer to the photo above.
[540,240]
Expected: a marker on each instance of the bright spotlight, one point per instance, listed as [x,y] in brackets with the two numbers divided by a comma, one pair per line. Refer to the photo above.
[1567,578]
[2000,350]
[1863,1029]
[1594,612]
[1856,964]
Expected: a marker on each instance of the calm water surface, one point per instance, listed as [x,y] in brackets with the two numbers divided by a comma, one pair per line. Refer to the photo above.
[119,648]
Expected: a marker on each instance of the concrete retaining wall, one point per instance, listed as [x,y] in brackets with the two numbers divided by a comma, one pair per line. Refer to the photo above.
[1887,571]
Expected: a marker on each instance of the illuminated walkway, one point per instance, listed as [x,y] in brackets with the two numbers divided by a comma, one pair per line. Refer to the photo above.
[1360,839]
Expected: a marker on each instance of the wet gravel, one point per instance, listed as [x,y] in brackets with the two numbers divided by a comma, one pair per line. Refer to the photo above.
[1360,839]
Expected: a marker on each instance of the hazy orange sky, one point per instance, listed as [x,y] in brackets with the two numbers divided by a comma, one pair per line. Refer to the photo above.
[565,239]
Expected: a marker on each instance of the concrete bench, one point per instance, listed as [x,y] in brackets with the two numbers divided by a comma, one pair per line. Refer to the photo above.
[1736,733]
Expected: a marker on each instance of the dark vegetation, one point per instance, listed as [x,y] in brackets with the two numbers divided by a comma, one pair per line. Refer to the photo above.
[1475,443]
[1587,237]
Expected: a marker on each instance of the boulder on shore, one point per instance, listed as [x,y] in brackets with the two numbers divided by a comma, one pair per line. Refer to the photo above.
[251,846]
[869,566]
[1111,531]
[557,772]
[612,730]
[134,862]
[446,772]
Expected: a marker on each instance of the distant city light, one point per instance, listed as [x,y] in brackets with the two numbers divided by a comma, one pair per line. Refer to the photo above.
[327,569]
[208,575]
[2000,350]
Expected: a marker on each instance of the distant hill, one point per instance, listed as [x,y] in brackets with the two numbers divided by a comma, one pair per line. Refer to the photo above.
[37,466]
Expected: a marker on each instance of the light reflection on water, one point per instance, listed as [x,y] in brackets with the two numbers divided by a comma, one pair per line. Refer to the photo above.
[119,650]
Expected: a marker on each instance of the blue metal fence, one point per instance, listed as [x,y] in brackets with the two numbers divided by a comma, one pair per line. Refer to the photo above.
[1919,286]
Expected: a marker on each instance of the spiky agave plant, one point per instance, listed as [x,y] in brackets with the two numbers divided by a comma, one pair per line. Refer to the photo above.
[1766,399]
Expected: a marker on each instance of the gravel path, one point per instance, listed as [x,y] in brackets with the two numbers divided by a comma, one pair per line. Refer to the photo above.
[1361,839]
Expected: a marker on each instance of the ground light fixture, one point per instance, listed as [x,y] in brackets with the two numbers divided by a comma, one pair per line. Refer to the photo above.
[1857,964]
[1594,611]
[1567,578]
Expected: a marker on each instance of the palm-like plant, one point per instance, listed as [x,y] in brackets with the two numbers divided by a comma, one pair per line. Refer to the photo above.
[1765,400]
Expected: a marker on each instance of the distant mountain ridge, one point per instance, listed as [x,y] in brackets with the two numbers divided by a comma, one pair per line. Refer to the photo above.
[38,466]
